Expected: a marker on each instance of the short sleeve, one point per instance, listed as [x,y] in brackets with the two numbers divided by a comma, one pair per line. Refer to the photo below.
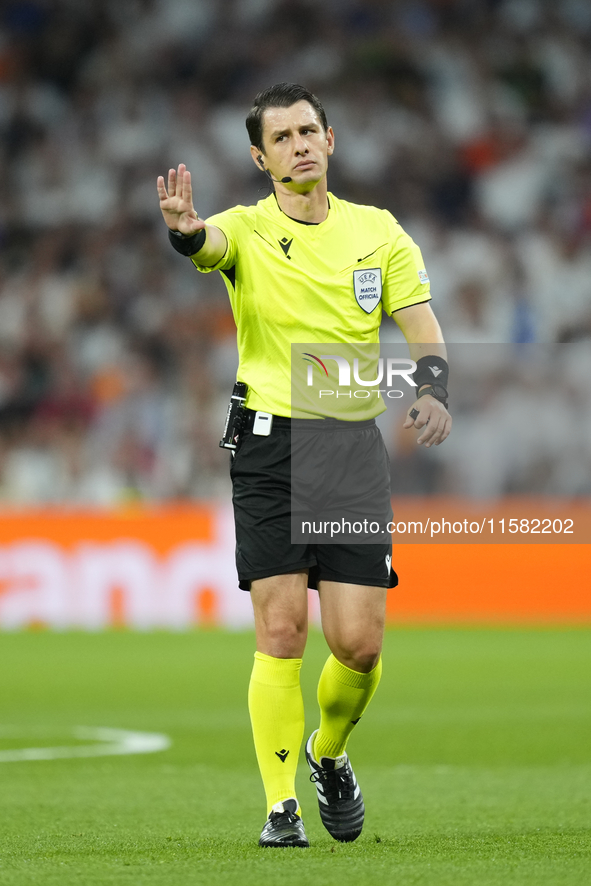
[234,225]
[406,281]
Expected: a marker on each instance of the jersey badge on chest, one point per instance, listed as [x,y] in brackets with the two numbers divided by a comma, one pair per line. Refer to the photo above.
[367,285]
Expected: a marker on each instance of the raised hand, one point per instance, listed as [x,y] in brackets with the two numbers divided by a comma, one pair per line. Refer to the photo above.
[177,203]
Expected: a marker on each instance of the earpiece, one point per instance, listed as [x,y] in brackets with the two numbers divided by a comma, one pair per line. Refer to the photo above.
[283,181]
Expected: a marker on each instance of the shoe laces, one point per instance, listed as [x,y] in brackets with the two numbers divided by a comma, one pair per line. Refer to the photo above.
[337,783]
[283,818]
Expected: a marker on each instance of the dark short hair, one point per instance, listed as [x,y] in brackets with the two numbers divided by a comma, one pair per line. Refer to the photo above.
[282,95]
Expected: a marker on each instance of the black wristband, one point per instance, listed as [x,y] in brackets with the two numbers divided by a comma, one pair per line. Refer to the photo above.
[187,245]
[431,370]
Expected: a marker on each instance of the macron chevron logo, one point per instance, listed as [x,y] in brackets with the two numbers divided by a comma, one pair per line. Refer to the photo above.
[435,370]
[285,244]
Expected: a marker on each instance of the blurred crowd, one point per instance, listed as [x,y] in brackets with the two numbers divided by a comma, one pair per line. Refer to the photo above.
[470,120]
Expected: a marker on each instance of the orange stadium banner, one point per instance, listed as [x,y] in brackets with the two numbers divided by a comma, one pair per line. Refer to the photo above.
[172,567]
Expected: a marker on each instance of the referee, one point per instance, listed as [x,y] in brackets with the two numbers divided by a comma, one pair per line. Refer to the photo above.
[290,264]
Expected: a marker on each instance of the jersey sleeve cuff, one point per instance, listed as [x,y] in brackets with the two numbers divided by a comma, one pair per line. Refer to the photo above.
[418,299]
[221,265]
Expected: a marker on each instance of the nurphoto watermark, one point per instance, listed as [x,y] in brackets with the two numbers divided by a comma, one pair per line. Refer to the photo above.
[515,469]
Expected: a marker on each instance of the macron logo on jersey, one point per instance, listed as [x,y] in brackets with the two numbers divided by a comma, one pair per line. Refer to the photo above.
[285,244]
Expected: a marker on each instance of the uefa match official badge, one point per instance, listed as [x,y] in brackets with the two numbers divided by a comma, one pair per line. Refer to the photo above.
[367,285]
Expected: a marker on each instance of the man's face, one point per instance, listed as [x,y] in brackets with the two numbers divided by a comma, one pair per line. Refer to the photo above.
[295,145]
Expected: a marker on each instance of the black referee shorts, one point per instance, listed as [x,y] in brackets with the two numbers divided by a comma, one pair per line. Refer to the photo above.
[261,473]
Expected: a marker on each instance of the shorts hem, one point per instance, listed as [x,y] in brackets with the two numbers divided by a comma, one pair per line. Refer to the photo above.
[356,580]
[313,578]
[245,580]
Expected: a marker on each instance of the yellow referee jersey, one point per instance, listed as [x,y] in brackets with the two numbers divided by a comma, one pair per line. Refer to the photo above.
[291,282]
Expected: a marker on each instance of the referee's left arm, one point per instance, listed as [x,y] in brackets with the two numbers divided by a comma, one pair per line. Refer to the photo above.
[421,330]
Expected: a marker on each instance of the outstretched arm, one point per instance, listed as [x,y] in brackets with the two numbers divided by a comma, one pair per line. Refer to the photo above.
[423,334]
[178,212]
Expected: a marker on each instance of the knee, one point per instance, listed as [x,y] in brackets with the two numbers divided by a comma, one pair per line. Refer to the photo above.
[282,637]
[361,655]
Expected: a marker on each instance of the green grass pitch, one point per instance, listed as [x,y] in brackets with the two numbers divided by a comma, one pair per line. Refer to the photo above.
[474,759]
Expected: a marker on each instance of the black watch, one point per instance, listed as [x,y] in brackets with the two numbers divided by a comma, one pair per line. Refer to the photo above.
[436,391]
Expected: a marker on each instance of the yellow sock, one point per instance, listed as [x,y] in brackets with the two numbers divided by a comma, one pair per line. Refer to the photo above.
[343,695]
[277,716]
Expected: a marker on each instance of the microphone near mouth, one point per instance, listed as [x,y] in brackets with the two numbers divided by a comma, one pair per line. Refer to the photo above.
[283,181]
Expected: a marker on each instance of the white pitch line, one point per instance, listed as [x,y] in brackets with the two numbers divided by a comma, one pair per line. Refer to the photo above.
[113,743]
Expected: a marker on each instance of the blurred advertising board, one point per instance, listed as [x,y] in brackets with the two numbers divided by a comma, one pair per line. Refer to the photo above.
[172,567]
